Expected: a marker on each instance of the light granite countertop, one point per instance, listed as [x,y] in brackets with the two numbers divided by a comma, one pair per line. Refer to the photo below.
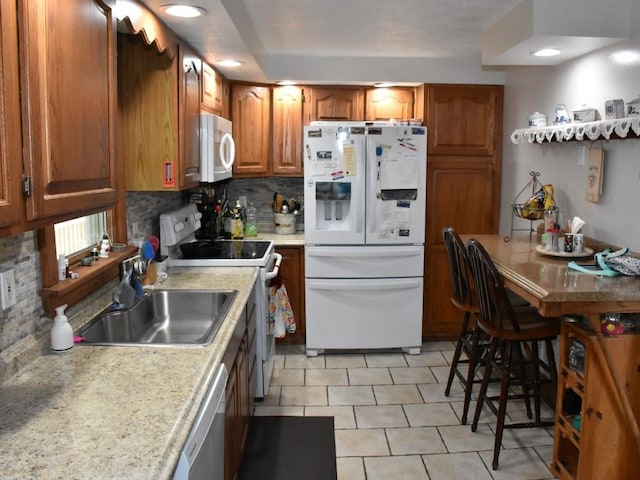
[114,412]
[293,240]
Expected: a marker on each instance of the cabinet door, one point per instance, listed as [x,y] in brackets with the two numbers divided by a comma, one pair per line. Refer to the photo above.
[463,119]
[387,103]
[68,57]
[148,101]
[10,134]
[333,103]
[250,113]
[211,89]
[469,210]
[232,452]
[287,131]
[292,274]
[189,165]
[605,427]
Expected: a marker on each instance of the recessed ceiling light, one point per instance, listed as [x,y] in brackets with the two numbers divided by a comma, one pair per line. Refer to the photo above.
[546,52]
[183,11]
[383,84]
[229,63]
[626,57]
[286,83]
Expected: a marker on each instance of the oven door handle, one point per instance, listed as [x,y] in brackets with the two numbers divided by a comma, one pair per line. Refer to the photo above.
[276,267]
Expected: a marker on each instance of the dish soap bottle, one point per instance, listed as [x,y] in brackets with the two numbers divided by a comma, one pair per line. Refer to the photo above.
[251,227]
[61,333]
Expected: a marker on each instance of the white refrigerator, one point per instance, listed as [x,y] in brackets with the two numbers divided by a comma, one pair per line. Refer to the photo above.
[364,217]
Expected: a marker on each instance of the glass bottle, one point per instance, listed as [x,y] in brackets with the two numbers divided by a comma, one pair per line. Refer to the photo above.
[227,217]
[237,228]
[251,227]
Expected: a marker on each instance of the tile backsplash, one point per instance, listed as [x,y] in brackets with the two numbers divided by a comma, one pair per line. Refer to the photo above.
[26,321]
[260,191]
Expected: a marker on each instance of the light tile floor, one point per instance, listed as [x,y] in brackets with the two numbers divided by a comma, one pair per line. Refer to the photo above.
[392,419]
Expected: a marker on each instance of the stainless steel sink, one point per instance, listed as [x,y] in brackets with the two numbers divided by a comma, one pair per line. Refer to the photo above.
[162,318]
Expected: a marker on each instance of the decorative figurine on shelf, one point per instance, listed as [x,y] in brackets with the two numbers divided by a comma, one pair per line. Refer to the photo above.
[105,246]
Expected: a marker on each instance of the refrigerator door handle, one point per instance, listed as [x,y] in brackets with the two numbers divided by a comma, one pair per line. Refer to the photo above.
[348,285]
[373,180]
[334,252]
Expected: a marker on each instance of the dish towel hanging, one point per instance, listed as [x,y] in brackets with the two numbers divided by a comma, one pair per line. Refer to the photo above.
[281,319]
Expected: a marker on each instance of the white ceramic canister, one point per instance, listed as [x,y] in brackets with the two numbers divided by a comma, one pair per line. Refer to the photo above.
[285,223]
[537,119]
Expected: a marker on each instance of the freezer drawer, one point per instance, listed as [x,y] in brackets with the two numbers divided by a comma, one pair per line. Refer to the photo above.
[363,313]
[364,261]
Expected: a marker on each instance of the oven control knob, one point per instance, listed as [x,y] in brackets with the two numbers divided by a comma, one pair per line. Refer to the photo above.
[197,216]
[179,226]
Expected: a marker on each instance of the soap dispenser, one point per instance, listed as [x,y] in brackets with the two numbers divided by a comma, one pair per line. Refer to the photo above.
[61,333]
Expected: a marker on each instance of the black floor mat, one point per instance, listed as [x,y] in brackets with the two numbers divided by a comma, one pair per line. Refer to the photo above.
[289,448]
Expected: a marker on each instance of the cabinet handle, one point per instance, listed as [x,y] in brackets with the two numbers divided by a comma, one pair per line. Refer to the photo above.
[589,412]
[599,415]
[580,387]
[564,373]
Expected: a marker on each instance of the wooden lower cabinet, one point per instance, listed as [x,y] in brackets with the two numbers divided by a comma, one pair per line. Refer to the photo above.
[593,437]
[239,399]
[292,274]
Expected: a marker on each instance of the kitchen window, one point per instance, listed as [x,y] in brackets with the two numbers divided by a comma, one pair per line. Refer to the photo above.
[80,234]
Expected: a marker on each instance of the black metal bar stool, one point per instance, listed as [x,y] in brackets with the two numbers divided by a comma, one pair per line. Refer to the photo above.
[513,348]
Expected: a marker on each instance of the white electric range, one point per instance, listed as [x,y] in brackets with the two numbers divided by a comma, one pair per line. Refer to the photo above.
[178,241]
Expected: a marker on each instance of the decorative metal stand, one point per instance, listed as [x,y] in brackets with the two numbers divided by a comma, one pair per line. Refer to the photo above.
[527,211]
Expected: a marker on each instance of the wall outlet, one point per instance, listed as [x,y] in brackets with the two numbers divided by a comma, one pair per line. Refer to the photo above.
[7,289]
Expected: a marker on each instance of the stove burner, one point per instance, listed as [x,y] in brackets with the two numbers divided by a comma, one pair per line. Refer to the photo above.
[224,249]
[201,249]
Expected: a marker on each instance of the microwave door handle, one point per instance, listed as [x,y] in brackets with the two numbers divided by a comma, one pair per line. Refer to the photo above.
[276,267]
[227,162]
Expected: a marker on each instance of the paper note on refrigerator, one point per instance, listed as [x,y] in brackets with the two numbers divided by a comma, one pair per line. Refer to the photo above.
[394,219]
[399,172]
[349,158]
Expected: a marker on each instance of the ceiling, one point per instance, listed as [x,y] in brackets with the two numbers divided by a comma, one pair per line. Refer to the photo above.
[356,41]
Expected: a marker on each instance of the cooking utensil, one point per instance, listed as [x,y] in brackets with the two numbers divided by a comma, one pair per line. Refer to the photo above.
[147,251]
[278,199]
[155,243]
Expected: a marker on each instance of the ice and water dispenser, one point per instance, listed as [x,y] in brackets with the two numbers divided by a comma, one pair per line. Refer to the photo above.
[333,200]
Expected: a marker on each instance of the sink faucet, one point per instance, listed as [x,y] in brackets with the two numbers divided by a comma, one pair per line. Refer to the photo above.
[134,268]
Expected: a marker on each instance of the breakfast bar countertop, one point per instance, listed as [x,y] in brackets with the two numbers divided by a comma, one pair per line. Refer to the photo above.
[554,289]
[114,412]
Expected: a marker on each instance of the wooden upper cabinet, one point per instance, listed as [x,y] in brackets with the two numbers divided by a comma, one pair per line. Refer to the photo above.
[287,131]
[159,95]
[387,103]
[211,89]
[189,108]
[68,80]
[333,103]
[10,134]
[462,119]
[250,113]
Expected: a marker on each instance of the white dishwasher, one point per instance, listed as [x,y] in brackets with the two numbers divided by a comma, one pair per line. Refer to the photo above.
[203,454]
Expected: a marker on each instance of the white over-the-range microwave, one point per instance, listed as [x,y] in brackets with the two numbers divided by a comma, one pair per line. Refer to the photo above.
[217,150]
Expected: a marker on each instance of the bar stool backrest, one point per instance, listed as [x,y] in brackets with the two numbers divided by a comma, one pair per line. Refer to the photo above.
[495,312]
[463,295]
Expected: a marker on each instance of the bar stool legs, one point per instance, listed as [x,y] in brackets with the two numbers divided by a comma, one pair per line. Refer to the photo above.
[507,356]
